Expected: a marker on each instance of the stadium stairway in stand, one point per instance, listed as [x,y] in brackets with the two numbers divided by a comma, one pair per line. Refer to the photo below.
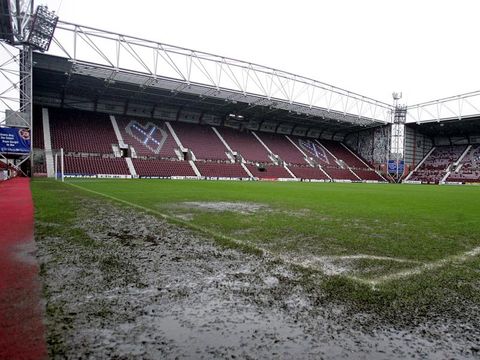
[244,143]
[281,146]
[201,140]
[436,166]
[468,168]
[359,168]
[308,172]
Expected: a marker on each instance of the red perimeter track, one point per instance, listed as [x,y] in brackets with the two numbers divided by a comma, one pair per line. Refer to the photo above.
[21,312]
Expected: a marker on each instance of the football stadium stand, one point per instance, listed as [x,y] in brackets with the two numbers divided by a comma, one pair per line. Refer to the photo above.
[221,170]
[149,138]
[157,148]
[81,132]
[436,166]
[468,170]
[201,140]
[308,172]
[162,168]
[269,172]
[341,152]
[281,146]
[314,150]
[245,144]
[75,165]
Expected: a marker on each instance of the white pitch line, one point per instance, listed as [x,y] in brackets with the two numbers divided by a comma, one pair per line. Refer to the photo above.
[166,217]
[371,257]
[372,282]
[420,269]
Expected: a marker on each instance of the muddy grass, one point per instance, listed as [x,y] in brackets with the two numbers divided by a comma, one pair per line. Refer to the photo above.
[129,285]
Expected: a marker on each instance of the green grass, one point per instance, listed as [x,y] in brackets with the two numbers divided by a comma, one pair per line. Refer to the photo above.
[423,223]
[311,221]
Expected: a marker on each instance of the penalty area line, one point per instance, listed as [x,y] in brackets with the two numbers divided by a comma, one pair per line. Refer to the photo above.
[460,258]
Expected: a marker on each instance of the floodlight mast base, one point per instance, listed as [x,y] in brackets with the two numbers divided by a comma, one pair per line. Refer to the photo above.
[29,31]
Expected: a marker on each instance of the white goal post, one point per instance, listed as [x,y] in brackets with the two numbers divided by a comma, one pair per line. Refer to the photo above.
[49,162]
[59,165]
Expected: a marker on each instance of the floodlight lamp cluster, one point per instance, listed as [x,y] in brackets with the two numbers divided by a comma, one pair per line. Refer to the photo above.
[42,28]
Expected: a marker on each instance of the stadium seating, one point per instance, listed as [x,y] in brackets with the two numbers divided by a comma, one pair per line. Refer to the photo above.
[213,169]
[149,138]
[337,173]
[269,172]
[245,144]
[162,168]
[281,146]
[40,168]
[315,151]
[308,172]
[87,136]
[366,174]
[81,131]
[436,165]
[469,167]
[201,140]
[340,152]
[75,165]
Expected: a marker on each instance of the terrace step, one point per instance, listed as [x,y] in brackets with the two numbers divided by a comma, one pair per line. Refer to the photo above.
[195,169]
[131,168]
[118,134]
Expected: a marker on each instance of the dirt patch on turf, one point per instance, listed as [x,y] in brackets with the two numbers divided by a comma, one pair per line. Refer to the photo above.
[130,285]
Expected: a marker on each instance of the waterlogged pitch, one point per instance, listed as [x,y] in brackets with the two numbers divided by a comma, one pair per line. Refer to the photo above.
[368,232]
[201,266]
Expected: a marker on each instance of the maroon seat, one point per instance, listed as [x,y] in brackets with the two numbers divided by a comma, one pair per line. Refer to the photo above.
[269,172]
[201,139]
[149,138]
[469,167]
[340,152]
[435,166]
[95,165]
[282,147]
[308,172]
[162,168]
[365,174]
[221,170]
[245,144]
[81,131]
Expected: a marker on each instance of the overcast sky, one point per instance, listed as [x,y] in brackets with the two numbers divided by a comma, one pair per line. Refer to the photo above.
[427,49]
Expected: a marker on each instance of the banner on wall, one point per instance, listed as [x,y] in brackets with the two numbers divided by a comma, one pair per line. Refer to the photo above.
[14,140]
[393,168]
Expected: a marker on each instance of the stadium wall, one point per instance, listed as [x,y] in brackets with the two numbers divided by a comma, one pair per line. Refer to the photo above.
[416,147]
[371,144]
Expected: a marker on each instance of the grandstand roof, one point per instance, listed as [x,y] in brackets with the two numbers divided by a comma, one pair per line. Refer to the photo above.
[464,127]
[58,78]
[6,30]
